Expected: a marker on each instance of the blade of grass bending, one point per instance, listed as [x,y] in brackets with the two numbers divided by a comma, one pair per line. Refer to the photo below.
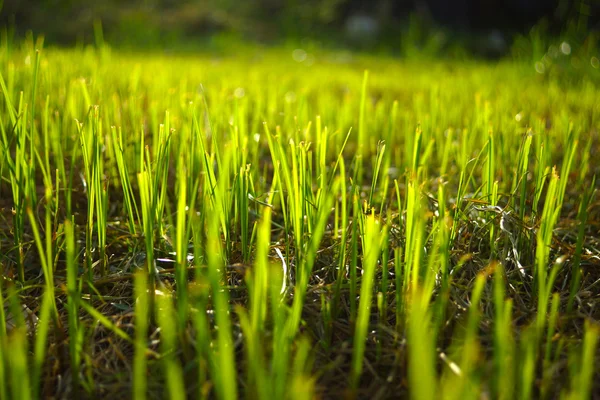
[108,324]
[339,158]
[12,112]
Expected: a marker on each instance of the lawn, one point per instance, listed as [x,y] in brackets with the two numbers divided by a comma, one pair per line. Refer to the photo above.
[297,223]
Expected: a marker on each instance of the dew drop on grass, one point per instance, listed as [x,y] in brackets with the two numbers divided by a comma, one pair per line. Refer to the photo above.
[595,62]
[565,48]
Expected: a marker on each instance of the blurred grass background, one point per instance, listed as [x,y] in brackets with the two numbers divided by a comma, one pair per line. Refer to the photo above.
[484,28]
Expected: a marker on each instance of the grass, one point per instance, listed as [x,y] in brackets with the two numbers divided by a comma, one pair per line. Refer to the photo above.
[250,226]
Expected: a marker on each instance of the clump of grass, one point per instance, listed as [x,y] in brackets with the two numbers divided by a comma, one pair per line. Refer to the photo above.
[316,230]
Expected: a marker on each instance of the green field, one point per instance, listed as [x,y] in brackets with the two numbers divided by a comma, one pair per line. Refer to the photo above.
[288,223]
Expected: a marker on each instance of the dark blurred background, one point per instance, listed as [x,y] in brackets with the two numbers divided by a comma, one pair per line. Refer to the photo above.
[484,27]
